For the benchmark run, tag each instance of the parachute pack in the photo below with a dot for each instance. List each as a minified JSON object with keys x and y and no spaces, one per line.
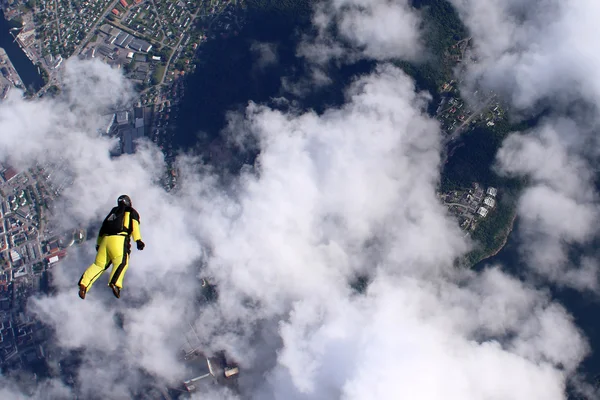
{"x":114,"y":223}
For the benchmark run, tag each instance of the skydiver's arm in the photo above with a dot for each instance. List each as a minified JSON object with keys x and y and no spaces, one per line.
{"x":135,"y":225}
{"x":135,"y":232}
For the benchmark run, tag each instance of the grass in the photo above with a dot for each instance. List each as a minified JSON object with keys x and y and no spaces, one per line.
{"x":158,"y":74}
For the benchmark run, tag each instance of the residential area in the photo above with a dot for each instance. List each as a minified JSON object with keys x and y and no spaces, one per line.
{"x":29,"y":248}
{"x":457,"y":116}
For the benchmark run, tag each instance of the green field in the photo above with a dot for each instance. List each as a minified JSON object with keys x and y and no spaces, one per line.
{"x":158,"y":74}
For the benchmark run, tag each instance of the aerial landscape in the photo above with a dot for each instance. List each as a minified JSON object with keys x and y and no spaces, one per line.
{"x":339,"y":199}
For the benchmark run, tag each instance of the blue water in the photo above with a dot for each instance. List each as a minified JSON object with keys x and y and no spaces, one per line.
{"x":584,"y":307}
{"x":227,"y":78}
{"x":27,"y":71}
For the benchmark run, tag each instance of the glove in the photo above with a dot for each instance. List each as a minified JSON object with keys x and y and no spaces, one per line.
{"x":140,"y":244}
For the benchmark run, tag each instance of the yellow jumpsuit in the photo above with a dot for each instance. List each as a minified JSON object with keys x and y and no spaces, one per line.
{"x":113,"y":249}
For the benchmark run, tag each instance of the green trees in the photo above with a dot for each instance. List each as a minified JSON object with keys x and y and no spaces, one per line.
{"x":282,"y":6}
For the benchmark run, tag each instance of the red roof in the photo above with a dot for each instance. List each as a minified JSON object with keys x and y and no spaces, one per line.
{"x":115,"y":11}
{"x":124,"y":3}
{"x":9,"y":173}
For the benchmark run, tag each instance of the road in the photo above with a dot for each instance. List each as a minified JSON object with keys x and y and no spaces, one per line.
{"x":457,"y":205}
{"x":92,"y":30}
{"x":177,"y":46}
{"x":53,"y":74}
{"x":457,"y":132}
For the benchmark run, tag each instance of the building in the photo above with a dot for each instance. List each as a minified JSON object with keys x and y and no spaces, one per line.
{"x":115,"y":12}
{"x":209,"y":371}
{"x":106,"y":51}
{"x":9,"y":174}
{"x":491,"y":191}
{"x":490,"y":202}
{"x":14,"y":256}
{"x":482,"y":211}
{"x":20,"y":272}
{"x":140,"y":45}
{"x":122,"y":117}
{"x":122,"y":39}
{"x":109,"y":30}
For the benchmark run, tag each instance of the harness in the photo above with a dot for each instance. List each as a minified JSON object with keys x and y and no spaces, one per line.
{"x":114,"y":223}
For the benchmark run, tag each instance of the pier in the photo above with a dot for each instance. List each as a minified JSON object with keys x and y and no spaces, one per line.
{"x":9,"y":75}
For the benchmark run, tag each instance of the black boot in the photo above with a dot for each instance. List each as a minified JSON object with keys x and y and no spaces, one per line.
{"x":116,"y":290}
{"x":82,"y":292}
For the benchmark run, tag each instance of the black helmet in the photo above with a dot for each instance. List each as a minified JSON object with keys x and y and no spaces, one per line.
{"x":124,"y":200}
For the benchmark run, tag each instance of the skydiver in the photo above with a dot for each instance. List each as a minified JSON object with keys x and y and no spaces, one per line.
{"x":113,"y":246}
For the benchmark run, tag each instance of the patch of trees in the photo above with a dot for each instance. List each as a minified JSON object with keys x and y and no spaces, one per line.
{"x":283,"y":6}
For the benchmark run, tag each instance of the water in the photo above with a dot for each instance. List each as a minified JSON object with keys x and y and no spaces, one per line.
{"x":227,"y":78}
{"x":27,"y":71}
{"x":584,"y":307}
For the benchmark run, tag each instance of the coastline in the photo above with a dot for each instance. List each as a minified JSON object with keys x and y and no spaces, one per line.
{"x":22,"y":47}
{"x":13,"y":71}
{"x":17,"y":41}
{"x":504,"y":241}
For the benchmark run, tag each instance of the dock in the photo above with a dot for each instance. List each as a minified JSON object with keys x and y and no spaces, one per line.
{"x":8,"y":74}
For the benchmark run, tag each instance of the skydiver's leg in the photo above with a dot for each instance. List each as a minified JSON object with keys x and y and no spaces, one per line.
{"x":119,"y":252}
{"x":93,"y":272}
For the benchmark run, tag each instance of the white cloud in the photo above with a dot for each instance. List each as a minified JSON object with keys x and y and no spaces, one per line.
{"x":541,"y":54}
{"x":560,"y":206}
{"x":20,"y":388}
{"x":541,"y":50}
{"x":376,"y":29}
{"x":332,"y":196}
{"x":266,"y":54}
{"x":415,"y":339}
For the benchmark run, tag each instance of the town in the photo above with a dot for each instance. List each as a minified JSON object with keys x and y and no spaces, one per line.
{"x":154,"y":43}
{"x":29,"y":248}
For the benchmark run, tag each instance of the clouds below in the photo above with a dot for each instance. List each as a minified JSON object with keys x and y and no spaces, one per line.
{"x":375,"y":29}
{"x":560,"y":206}
{"x":540,"y":54}
{"x":348,"y":193}
{"x":535,"y":51}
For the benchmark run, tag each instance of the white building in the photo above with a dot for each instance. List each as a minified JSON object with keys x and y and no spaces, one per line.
{"x":482,"y":211}
{"x":492,"y":191}
{"x":490,"y":202}
{"x":14,"y":256}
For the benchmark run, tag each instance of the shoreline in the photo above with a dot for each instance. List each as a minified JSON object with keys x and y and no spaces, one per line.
{"x":504,"y":241}
{"x":16,"y":35}
{"x":23,"y":48}
{"x":4,"y":56}
{"x":20,"y":43}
